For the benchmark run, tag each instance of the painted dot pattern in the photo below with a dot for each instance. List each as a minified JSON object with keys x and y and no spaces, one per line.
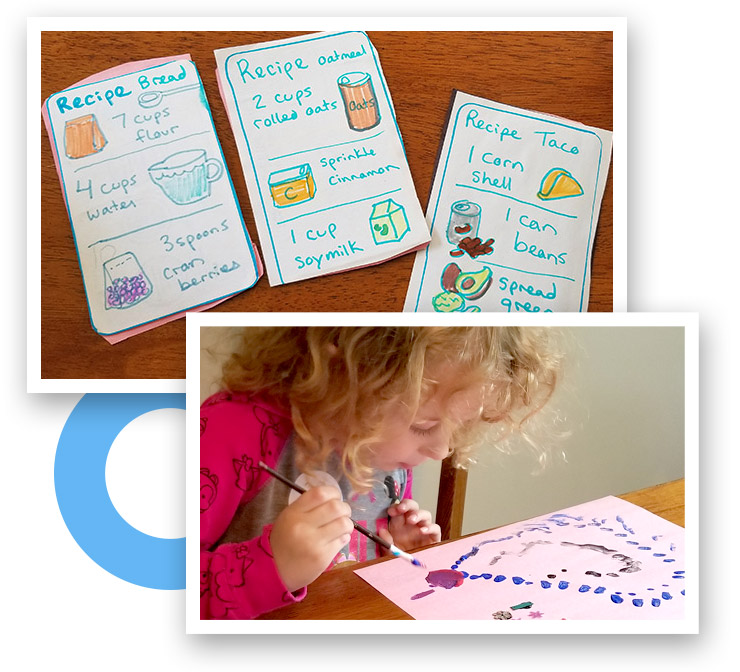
{"x":551,"y":582}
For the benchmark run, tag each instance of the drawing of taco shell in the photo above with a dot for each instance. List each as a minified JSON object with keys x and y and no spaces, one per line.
{"x":292,"y":186}
{"x":559,"y":183}
{"x":388,"y":222}
{"x":83,"y":137}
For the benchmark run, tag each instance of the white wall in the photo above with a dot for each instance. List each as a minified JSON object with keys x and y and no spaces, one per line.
{"x":621,"y":398}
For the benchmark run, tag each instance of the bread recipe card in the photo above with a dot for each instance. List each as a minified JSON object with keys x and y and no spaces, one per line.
{"x":513,"y":212}
{"x":322,"y":154}
{"x":156,"y":224}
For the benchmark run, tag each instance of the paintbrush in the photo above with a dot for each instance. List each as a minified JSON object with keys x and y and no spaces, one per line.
{"x":362,"y":530}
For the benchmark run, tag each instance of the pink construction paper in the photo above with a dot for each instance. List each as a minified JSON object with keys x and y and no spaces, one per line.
{"x":117,"y":71}
{"x":605,"y":559}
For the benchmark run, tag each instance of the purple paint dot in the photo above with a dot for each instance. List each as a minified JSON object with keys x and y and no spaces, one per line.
{"x":446,"y":578}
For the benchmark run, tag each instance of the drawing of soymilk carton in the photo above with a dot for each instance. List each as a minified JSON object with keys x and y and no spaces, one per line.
{"x":292,"y":186}
{"x":388,"y":222}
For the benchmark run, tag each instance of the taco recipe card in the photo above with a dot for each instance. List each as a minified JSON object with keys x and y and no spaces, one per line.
{"x":322,"y":154}
{"x":513,"y":212}
{"x":155,"y":219}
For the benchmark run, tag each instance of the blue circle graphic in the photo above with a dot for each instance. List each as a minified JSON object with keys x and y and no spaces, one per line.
{"x":82,"y":494}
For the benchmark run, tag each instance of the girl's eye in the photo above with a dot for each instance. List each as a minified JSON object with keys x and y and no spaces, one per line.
{"x":424,"y":430}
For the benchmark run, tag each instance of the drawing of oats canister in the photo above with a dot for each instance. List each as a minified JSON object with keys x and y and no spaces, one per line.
{"x":83,"y":137}
{"x":360,"y":103}
{"x":292,"y":186}
{"x":464,"y":221}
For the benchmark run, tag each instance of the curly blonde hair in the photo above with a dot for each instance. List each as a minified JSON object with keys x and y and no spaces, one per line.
{"x":355,"y":377}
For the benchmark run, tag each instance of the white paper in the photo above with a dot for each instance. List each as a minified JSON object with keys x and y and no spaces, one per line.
{"x":322,"y":154}
{"x":155,"y":219}
{"x":525,"y":189}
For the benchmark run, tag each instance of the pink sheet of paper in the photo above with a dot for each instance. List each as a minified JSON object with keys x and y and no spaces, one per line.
{"x":605,"y":559}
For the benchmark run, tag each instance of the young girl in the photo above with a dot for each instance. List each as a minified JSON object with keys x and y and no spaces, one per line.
{"x":348,"y":412}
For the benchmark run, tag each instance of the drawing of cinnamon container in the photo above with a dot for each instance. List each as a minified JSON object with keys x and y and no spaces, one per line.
{"x":360,"y":103}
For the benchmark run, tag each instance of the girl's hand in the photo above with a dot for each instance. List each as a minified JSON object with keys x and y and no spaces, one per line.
{"x":410,"y":527}
{"x":308,"y":534}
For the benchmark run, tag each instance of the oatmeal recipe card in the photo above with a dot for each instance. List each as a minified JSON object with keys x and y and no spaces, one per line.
{"x":513,"y":212}
{"x":156,"y":224}
{"x":322,"y":154}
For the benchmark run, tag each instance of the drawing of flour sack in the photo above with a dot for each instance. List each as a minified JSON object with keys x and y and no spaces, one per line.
{"x":185,"y":177}
{"x":559,"y":183}
{"x":83,"y":137}
{"x":360,"y":103}
{"x":126,"y":284}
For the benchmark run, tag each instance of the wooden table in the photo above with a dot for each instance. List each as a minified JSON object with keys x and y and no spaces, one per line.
{"x":562,"y":73}
{"x":340,"y":594}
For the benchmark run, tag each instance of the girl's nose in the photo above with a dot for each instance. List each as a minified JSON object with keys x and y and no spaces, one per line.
{"x":439,"y":452}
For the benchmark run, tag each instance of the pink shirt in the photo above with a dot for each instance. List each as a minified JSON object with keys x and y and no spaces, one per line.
{"x":239,"y":501}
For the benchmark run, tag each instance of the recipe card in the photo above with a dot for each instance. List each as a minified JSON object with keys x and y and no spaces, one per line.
{"x":322,"y":154}
{"x":155,"y":220}
{"x":513,"y":212}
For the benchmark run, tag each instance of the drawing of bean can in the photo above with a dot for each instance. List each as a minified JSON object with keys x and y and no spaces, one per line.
{"x":126,"y":284}
{"x":292,"y":186}
{"x":83,"y":137}
{"x":388,"y":222}
{"x":360,"y":103}
{"x":464,"y":221}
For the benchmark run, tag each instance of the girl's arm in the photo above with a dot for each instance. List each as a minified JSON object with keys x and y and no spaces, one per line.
{"x":237,"y":580}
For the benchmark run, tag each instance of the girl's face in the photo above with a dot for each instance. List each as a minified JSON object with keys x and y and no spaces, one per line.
{"x":427,"y":437}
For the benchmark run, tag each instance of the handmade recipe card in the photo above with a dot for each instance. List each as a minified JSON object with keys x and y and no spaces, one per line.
{"x":606,"y":559}
{"x":154,"y":216}
{"x":513,"y":212}
{"x":322,"y":154}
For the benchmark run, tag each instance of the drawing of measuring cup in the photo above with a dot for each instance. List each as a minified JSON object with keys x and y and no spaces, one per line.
{"x":185,"y":177}
{"x":154,"y":98}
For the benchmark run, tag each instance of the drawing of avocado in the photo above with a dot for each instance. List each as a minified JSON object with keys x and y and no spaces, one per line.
{"x":471,"y":285}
